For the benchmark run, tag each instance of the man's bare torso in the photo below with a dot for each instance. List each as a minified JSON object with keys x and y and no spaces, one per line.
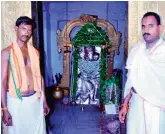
{"x":28,"y":71}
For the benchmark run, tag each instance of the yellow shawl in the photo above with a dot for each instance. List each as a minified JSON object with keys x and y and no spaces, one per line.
{"x":18,"y":73}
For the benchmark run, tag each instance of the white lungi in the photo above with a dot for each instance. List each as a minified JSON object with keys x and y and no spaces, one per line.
{"x":27,"y":115}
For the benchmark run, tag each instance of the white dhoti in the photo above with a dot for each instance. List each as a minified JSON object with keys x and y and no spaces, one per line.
{"x":144,"y":118}
{"x":27,"y":115}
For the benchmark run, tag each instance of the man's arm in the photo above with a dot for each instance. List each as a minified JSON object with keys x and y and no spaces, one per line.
{"x":124,"y":108}
{"x":4,"y":71}
{"x":127,"y":98}
{"x":4,"y":81}
{"x":43,"y":87}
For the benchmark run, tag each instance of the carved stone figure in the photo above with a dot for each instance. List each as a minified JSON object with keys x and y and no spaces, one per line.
{"x":89,"y":76}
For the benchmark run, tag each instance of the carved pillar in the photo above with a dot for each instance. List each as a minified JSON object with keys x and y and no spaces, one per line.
{"x":65,"y":82}
{"x":116,"y":41}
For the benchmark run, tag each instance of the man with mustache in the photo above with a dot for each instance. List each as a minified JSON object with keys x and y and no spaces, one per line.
{"x":23,"y":101}
{"x":144,"y":94}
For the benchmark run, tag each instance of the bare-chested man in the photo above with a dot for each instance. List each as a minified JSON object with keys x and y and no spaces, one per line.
{"x":23,"y":99}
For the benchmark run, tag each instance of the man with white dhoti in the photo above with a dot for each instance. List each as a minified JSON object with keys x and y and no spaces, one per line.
{"x":23,"y":99}
{"x":145,"y":87}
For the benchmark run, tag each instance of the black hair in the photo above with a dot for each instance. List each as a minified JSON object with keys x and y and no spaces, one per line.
{"x":157,"y":17}
{"x":25,"y":20}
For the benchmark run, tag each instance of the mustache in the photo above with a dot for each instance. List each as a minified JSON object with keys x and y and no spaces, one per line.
{"x":146,"y":34}
{"x":25,"y":36}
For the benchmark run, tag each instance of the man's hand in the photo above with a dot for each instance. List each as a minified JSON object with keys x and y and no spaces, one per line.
{"x":46,"y":109}
{"x":123,"y":113}
{"x":7,"y":119}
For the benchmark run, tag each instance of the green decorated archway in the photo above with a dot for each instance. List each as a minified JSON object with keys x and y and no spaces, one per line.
{"x":90,"y":35}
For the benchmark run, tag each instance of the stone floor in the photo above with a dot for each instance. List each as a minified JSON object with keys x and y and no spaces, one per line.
{"x":69,"y":119}
{"x":72,"y":120}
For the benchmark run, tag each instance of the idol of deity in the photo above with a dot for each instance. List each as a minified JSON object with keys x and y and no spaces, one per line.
{"x":88,"y":77}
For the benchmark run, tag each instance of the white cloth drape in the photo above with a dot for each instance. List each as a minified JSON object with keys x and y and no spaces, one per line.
{"x":27,"y":115}
{"x":144,"y":118}
{"x":146,"y":73}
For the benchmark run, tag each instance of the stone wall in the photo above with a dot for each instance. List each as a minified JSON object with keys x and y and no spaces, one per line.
{"x":136,"y":10}
{"x":10,"y":11}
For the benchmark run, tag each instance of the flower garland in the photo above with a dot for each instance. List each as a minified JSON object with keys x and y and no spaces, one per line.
{"x":90,"y":35}
{"x":113,"y":89}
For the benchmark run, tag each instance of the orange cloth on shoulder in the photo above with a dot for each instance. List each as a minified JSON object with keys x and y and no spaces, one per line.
{"x":18,"y":67}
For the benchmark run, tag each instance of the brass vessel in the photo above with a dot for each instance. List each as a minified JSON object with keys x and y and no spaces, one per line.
{"x":58,"y":93}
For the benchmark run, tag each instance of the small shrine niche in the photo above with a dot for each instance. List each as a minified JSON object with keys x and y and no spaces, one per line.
{"x":91,"y":53}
